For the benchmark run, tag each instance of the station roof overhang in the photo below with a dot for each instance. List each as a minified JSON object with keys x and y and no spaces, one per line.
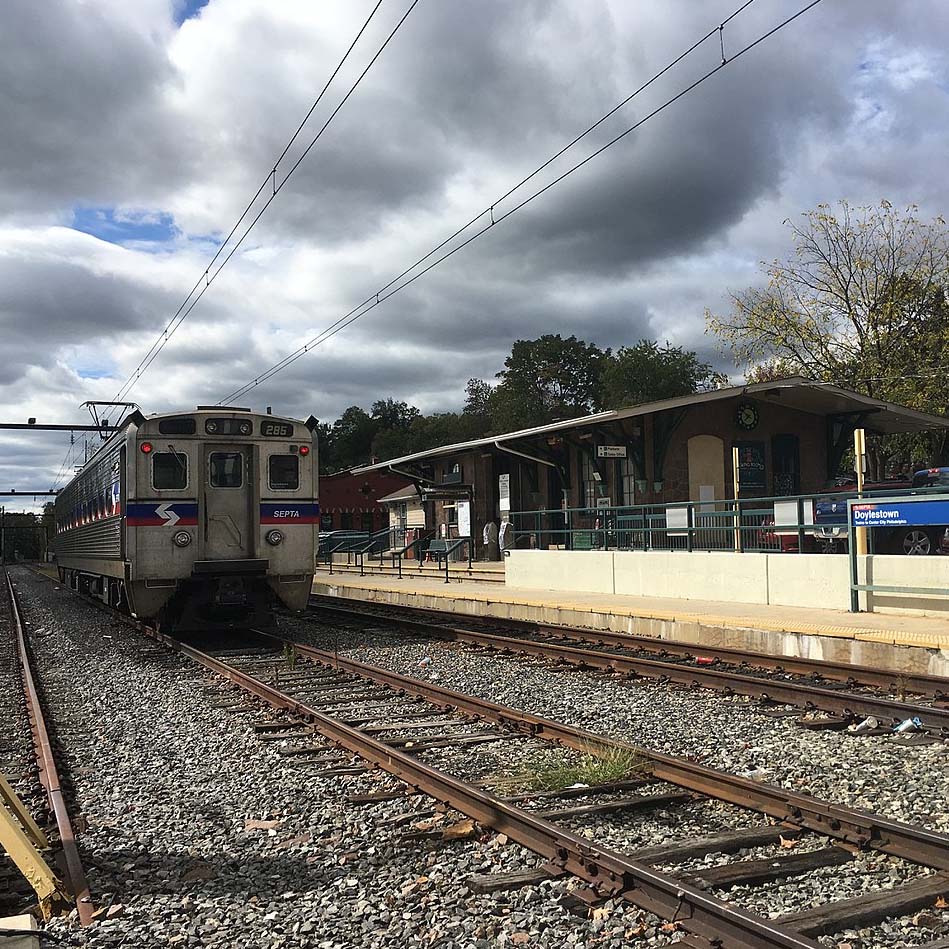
{"x":804,"y":395}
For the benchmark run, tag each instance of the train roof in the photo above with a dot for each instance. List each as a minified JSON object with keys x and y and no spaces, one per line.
{"x":137,"y":418}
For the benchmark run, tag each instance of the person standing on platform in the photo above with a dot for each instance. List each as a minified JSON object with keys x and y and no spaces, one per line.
{"x":490,"y":537}
{"x":506,"y":536}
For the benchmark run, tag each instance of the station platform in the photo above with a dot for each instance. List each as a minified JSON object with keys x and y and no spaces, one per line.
{"x":917,"y":644}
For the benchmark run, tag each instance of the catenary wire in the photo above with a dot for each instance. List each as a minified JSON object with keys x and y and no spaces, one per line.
{"x":277,"y":188}
{"x":388,"y":291}
{"x":540,"y":168}
{"x":253,"y":200}
{"x":206,"y":278}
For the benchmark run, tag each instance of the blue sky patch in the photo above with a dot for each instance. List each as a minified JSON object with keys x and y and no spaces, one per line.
{"x":186,"y":9}
{"x":123,"y":226}
{"x":92,"y":373}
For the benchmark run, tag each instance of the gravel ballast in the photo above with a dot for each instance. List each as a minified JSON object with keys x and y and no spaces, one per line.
{"x":908,"y":783}
{"x":169,"y":780}
{"x":200,"y":834}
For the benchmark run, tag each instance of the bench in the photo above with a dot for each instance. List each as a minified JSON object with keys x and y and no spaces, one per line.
{"x":438,"y":547}
{"x":583,"y":540}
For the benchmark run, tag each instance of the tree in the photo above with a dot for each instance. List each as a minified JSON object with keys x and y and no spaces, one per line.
{"x":478,"y":399}
{"x":861,"y":303}
{"x":392,"y":414}
{"x":352,"y":438}
{"x":545,"y":379}
{"x":648,"y":372}
{"x":326,"y":445}
{"x":393,"y":420}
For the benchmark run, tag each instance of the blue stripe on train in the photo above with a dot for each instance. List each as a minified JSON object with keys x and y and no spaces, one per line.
{"x":162,"y":514}
{"x":289,"y":512}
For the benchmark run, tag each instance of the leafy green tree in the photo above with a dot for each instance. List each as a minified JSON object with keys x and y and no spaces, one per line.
{"x":326,"y":445}
{"x":353,"y":433}
{"x":478,"y":400}
{"x":545,"y":379}
{"x":392,"y":414}
{"x":860,"y":303}
{"x":648,"y":372}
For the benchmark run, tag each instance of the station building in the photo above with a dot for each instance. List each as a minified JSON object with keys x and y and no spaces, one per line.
{"x":791,"y":436}
{"x":350,"y":501}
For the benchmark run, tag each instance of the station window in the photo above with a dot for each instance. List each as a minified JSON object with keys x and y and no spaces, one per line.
{"x":284,"y":472}
{"x":226,"y":469}
{"x":627,"y":481}
{"x":169,"y":471}
{"x":326,"y":522}
{"x":588,"y":482}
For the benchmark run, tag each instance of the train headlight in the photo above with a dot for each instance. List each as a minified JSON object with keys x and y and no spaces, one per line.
{"x":246,"y":428}
{"x":210,"y":426}
{"x":181,"y":538}
{"x":274,"y":538}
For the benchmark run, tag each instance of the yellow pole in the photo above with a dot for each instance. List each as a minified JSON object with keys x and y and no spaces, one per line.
{"x":859,"y":456}
{"x":735,"y":496}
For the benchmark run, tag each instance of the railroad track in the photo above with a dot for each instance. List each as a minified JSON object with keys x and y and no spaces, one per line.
{"x":339,"y":708}
{"x":769,"y":678}
{"x":42,"y":770}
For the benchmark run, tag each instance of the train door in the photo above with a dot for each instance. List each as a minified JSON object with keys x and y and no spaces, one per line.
{"x":228,"y":491}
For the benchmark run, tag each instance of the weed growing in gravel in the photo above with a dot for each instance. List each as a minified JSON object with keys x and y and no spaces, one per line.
{"x":558,"y":769}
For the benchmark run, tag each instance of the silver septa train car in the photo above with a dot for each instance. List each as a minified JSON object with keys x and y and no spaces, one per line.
{"x":195,"y":519}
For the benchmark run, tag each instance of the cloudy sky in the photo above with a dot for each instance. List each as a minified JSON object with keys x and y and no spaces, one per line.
{"x":133,"y":134}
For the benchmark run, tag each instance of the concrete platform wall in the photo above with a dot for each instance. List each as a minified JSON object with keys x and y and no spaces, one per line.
{"x":806,"y":580}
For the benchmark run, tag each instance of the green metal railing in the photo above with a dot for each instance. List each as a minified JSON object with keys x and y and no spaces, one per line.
{"x":767,"y":524}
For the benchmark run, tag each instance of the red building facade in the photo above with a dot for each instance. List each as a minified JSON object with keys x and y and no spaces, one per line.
{"x":351,"y":502}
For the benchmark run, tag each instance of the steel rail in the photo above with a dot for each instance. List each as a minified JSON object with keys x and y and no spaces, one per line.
{"x":850,"y":673}
{"x":861,"y":828}
{"x":49,"y":774}
{"x":730,"y":683}
{"x":609,"y":873}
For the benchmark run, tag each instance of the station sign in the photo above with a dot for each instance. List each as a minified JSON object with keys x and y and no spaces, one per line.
{"x":610,"y":451}
{"x":900,"y":513}
{"x":463,"y":510}
{"x":504,"y":493}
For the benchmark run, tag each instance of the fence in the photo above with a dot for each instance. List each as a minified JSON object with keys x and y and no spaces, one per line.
{"x":795,"y":524}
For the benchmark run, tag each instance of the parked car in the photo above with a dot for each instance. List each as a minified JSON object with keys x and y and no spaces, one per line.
{"x":829,"y":535}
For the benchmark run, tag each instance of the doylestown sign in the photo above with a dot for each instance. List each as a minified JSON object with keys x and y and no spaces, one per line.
{"x":900,"y":513}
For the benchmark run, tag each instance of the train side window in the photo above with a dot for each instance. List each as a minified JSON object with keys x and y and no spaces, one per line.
{"x":169,"y":471}
{"x":284,"y":472}
{"x":226,"y":469}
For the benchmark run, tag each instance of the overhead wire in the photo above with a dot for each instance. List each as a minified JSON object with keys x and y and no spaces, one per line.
{"x":207,"y":277}
{"x":389,"y":290}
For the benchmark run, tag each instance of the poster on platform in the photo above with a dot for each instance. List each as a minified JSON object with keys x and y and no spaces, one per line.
{"x":464,"y":518}
{"x":504,"y":493}
{"x":751,"y":466}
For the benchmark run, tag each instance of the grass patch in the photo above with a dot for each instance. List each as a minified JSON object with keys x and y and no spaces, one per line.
{"x":559,"y":768}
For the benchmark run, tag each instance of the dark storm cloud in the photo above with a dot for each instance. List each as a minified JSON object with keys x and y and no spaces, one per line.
{"x":45,"y":303}
{"x":81,"y":111}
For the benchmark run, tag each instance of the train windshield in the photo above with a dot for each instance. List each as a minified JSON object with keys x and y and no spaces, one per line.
{"x":169,"y":471}
{"x":226,"y":469}
{"x":284,"y":472}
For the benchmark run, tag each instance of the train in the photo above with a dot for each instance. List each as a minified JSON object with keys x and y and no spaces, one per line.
{"x":195,"y":520}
